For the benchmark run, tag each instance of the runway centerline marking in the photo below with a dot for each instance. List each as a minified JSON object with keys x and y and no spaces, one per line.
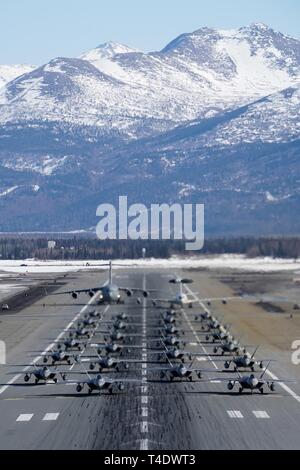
{"x":24,"y":418}
{"x":144,"y":445}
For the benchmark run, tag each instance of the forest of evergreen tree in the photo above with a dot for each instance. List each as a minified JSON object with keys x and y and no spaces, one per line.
{"x":89,"y":248}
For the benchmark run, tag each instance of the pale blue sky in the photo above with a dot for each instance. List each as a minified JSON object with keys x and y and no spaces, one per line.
{"x":34,"y":31}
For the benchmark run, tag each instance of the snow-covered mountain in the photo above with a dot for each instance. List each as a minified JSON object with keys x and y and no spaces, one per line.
{"x":196,"y":75}
{"x":214,"y":117}
{"x":10,"y":72}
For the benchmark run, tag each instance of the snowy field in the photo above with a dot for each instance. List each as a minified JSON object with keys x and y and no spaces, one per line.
{"x":236,"y":262}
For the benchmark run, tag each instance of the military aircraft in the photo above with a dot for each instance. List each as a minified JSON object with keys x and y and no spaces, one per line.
{"x":42,"y":374}
{"x":172,"y":340}
{"x":231,"y":347}
{"x":59,"y":357}
{"x":220,"y":335}
{"x":108,"y":348}
{"x":169,"y":318}
{"x":179,"y":371}
{"x":71,"y":343}
{"x":246,"y":361}
{"x":80,"y":333}
{"x":181,"y":299}
{"x":212,"y":324}
{"x":109,"y":293}
{"x":100,"y":383}
{"x":88,"y":323}
{"x":174,"y":353}
{"x":252,"y":382}
{"x":93,"y":314}
{"x":106,"y":362}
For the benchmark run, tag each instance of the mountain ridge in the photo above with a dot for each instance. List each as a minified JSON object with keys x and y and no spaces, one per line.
{"x":213,"y":117}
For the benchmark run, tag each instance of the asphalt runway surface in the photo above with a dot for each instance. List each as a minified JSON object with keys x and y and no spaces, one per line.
{"x":152,"y":414}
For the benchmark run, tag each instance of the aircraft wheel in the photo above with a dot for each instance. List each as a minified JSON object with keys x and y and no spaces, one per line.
{"x":26,"y":378}
{"x":55,"y":381}
{"x":261,"y":391}
{"x":36,"y":381}
{"x":240,"y":390}
{"x":215,"y":350}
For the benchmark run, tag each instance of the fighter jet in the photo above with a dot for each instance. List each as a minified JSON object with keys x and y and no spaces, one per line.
{"x":179,"y":371}
{"x":169,"y":318}
{"x":246,"y":361}
{"x":58,"y":357}
{"x":109,"y":293}
{"x":100,"y":383}
{"x":172,"y":340}
{"x":220,"y":335}
{"x":106,"y":362}
{"x":43,"y":374}
{"x":80,"y":333}
{"x":212,"y":324}
{"x":88,"y":323}
{"x":231,"y":347}
{"x":252,"y":382}
{"x":108,"y":348}
{"x":175,"y":353}
{"x":93,"y":314}
{"x":71,"y":343}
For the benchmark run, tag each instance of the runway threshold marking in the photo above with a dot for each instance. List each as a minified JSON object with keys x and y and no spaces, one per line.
{"x":235,"y":414}
{"x":24,"y":418}
{"x":49,"y":348}
{"x":268,"y":372}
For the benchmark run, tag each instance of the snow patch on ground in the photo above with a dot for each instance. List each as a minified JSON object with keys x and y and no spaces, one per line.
{"x":238,"y":262}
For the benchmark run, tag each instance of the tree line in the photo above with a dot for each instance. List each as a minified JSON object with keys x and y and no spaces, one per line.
{"x":89,"y":248}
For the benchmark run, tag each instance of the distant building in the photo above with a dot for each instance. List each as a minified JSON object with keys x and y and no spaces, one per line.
{"x":51,"y":245}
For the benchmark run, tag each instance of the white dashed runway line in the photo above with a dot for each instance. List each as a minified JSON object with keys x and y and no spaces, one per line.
{"x":261,"y":414}
{"x":24,"y":418}
{"x":51,"y":416}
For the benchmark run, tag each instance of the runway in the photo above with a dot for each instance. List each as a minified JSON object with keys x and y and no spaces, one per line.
{"x":151,"y":415}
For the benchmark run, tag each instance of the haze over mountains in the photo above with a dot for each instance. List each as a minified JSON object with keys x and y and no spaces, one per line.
{"x":213,"y":118}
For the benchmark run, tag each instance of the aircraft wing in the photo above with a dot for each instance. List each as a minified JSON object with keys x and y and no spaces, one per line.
{"x":137,"y":289}
{"x":79,"y":291}
{"x":164,"y":300}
